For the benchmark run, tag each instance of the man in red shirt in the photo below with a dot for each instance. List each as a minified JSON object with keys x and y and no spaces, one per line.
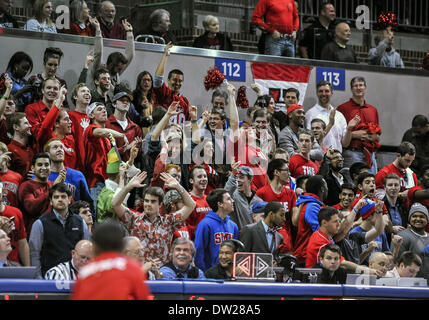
{"x":347,"y":196}
{"x":281,"y":22}
{"x":110,"y":275}
{"x":33,"y":195}
{"x":364,"y":143}
{"x":36,"y":112}
{"x":167,"y":93}
{"x":198,"y":180}
{"x":401,"y":167}
{"x":81,"y":97}
{"x":277,"y":190}
{"x":18,"y":236}
{"x":300,"y":163}
{"x":21,"y":152}
{"x":57,"y":124}
{"x":329,"y":226}
{"x":120,"y":122}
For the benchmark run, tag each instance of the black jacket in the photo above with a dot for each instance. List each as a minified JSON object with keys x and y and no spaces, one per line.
{"x":224,"y":42}
{"x":59,"y":241}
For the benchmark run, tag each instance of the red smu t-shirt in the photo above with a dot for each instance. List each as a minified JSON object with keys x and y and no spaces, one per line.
{"x":79,"y":122}
{"x":11,"y":182}
{"x":298,"y":165}
{"x":317,"y":241}
{"x":164,"y":97}
{"x":200,"y":211}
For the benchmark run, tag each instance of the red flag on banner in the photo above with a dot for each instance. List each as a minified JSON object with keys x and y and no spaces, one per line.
{"x":274,"y":79}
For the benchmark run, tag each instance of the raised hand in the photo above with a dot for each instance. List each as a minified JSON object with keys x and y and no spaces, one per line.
{"x":172,"y":109}
{"x":193,"y":112}
{"x":95,"y":23}
{"x":256,"y":88}
{"x":206,"y":114}
{"x":136,"y":181}
{"x":379,"y":206}
{"x":235,"y":165}
{"x":127,"y":26}
{"x":167,"y":48}
{"x":8,"y":82}
{"x":169,"y":181}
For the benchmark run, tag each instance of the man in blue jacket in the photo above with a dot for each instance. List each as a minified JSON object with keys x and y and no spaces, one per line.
{"x":214,"y":229}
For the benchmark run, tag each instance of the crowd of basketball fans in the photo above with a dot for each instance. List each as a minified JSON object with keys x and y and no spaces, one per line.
{"x":192,"y":187}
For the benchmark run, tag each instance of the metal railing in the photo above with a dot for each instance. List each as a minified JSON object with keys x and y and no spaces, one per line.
{"x":411,"y":14}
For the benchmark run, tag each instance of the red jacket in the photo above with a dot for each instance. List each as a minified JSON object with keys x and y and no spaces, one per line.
{"x":95,"y":156}
{"x":36,"y":113}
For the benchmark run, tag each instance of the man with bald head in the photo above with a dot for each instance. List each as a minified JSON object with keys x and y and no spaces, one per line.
{"x":338,"y":49}
{"x":134,"y":249}
{"x":379,"y":261}
{"x":109,"y":27}
{"x":82,"y":253}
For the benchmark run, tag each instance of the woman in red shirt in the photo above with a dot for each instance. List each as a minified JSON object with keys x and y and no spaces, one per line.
{"x":79,"y":19}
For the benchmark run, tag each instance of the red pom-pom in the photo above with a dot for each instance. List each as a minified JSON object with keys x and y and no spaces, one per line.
{"x":242,"y":101}
{"x":387,"y":19}
{"x":213,"y":79}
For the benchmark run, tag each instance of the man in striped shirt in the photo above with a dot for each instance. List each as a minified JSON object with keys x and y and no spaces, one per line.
{"x":82,"y":253}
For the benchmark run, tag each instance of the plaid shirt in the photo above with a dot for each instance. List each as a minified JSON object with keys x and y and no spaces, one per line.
{"x":156,"y":237}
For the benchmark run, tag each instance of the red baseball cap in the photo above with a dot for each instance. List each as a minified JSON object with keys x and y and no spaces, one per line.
{"x":293,"y":108}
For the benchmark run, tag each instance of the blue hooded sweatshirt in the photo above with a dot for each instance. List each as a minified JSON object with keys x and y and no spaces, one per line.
{"x":312,"y":210}
{"x":210,"y":233}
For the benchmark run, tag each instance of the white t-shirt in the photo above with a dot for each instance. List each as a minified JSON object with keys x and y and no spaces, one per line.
{"x":337,"y":132}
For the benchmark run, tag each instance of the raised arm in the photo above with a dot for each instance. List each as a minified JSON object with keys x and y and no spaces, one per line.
{"x":129,"y":49}
{"x":98,"y":44}
{"x":189,"y":203}
{"x":161,"y":66}
{"x":379,"y":223}
{"x":347,"y":138}
{"x":135,"y":182}
{"x":347,"y":223}
{"x":164,"y":121}
{"x":233,"y":111}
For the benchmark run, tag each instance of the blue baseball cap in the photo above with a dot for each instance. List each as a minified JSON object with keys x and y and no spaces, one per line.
{"x":258,"y":207}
